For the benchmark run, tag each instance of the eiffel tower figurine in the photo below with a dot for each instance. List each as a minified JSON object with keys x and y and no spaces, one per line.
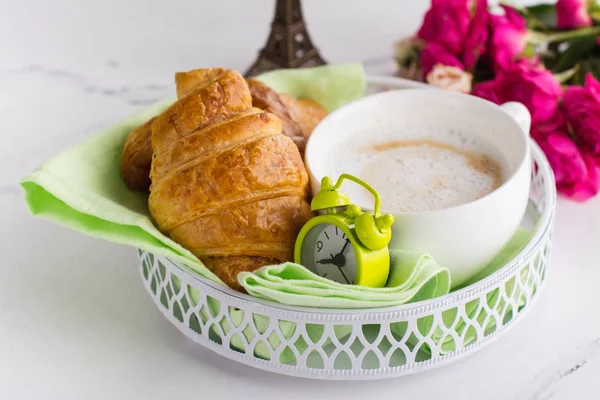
{"x":288,"y":45}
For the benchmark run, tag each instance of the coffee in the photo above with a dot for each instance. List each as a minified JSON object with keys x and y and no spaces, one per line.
{"x":423,"y":174}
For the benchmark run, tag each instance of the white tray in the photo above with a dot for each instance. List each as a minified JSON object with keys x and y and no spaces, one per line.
{"x":360,"y":344}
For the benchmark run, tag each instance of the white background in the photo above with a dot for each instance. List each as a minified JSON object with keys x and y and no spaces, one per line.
{"x":75,"y":322}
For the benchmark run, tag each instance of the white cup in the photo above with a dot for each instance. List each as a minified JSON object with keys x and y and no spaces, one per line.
{"x":464,"y":238}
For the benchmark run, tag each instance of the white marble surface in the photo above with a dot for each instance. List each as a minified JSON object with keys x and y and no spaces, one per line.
{"x":76,"y":322}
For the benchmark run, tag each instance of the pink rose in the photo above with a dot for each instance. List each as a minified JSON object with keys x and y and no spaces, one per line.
{"x":507,"y":39}
{"x":572,"y":14}
{"x":582,"y":106}
{"x":487,"y":90}
{"x":447,"y":23}
{"x":527,"y":82}
{"x":477,"y":36}
{"x":558,"y":123}
{"x":577,"y":175}
{"x":434,"y":54}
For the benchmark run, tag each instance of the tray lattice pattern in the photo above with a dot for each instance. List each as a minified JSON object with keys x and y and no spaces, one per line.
{"x":365,"y":344}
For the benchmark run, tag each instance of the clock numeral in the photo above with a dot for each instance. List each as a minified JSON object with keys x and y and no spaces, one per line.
{"x":326,"y":235}
{"x":324,"y":275}
{"x":319,"y":246}
{"x":336,"y":231}
{"x":343,"y":236}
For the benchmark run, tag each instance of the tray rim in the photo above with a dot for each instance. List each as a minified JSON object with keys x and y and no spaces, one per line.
{"x":342,"y":375}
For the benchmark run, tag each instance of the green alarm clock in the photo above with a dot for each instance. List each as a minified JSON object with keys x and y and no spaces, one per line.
{"x":344,"y":243}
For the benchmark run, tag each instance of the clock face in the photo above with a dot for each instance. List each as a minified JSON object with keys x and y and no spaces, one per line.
{"x":332,"y":254}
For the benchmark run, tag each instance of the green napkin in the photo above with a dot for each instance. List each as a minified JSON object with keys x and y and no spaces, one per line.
{"x":413,"y":277}
{"x":81,"y":188}
{"x":330,"y":86}
{"x":510,"y":250}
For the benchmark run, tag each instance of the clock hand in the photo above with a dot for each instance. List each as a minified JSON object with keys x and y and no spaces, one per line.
{"x":335,"y":262}
{"x":326,"y":261}
{"x":345,"y":245}
{"x":343,"y":274}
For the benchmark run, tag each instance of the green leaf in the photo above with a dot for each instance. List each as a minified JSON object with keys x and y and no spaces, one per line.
{"x":584,"y":69}
{"x":541,"y":16}
{"x":537,"y":38}
{"x":577,"y":49}
{"x":586,"y":66}
{"x":594,"y":10}
{"x":531,"y":50}
{"x":592,"y":32}
{"x":565,"y":76}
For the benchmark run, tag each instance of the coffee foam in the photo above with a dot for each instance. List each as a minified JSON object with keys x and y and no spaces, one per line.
{"x":441,"y":171}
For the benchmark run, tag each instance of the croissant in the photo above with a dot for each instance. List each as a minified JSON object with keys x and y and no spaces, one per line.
{"x":269,"y":100}
{"x":306,"y":112}
{"x":226,"y":183}
{"x":137,"y":156}
{"x":298,"y":117}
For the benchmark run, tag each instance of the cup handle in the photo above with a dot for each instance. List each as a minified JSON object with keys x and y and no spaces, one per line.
{"x":519,"y":113}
